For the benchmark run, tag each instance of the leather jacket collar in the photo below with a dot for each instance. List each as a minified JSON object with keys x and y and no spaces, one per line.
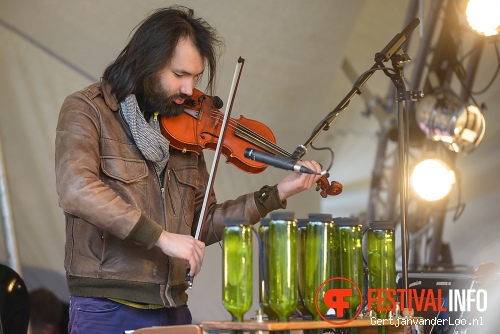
{"x":109,"y":98}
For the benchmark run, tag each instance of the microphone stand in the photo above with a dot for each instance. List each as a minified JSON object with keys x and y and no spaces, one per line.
{"x":402,"y":94}
{"x":393,"y":52}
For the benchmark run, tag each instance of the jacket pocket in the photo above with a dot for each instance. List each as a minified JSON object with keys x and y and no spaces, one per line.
{"x":186,"y":176}
{"x":125,"y":170}
{"x":182,"y":190}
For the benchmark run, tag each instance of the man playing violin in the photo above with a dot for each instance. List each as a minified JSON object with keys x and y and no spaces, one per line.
{"x":130,"y":200}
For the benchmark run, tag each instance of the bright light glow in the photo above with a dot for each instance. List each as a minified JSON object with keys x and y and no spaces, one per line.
{"x":432,"y":179}
{"x":484,"y":16}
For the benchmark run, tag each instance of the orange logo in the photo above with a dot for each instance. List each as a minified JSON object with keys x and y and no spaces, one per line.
{"x":335,"y":299}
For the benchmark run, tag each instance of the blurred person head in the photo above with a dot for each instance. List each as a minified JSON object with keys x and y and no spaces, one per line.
{"x":45,"y":312}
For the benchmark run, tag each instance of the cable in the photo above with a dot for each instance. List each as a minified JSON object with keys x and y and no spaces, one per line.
{"x":332,"y":153}
{"x":488,"y":86}
{"x":370,"y":71}
{"x":460,"y":206}
{"x":494,"y":75}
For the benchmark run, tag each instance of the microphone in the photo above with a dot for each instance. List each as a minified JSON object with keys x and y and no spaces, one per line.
{"x":396,"y":43}
{"x":277,"y":161}
{"x":410,"y":27}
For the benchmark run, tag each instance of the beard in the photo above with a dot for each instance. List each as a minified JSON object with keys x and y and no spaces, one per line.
{"x":159,"y":98}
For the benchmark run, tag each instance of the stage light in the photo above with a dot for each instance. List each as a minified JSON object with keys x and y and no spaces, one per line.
{"x":443,"y":117}
{"x":432,"y":179}
{"x":483,"y":16}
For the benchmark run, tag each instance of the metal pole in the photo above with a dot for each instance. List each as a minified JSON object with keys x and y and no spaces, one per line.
{"x":403,"y":194}
{"x":9,"y":230}
{"x":425,"y":44}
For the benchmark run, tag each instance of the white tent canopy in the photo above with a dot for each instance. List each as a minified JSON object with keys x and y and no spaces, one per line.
{"x":292,"y":78}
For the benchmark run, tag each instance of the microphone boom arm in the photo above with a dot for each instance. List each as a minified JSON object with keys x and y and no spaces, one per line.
{"x":387,"y":52}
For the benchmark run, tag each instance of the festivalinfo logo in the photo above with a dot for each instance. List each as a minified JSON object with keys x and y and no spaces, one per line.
{"x":420,"y":300}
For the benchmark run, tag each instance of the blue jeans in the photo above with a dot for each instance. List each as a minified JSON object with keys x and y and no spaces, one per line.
{"x":101,"y":315}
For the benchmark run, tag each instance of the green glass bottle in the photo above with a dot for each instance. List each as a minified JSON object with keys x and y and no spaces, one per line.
{"x":264,"y":269}
{"x":283,"y":275}
{"x":301,"y":258}
{"x":350,"y":236}
{"x":381,"y":266}
{"x":237,"y":267}
{"x":320,"y":264}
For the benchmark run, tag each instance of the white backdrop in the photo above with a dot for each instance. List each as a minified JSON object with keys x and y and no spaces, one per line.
{"x":291,"y":79}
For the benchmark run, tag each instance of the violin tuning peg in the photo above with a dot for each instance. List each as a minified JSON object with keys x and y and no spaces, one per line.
{"x":218,"y":102}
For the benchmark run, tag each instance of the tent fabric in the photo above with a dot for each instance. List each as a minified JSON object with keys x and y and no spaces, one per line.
{"x":291,"y":79}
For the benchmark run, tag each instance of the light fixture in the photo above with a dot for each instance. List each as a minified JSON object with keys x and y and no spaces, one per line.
{"x":432,"y":179}
{"x":443,"y":117}
{"x":483,"y":16}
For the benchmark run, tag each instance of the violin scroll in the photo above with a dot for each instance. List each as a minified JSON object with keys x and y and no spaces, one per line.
{"x":327,"y":188}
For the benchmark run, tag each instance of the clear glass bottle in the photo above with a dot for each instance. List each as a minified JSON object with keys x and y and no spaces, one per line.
{"x":301,"y":258}
{"x":381,"y":266}
{"x":350,"y":236}
{"x":320,"y":263}
{"x":283,"y":274}
{"x":237,"y":267}
{"x":264,"y":269}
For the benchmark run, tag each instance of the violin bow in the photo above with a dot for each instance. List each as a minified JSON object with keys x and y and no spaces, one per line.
{"x":215,"y":163}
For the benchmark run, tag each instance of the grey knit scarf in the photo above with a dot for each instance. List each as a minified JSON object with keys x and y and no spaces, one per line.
{"x":147,"y":136}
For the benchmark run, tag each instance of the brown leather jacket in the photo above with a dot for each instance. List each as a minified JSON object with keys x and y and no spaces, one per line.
{"x":116,"y":206}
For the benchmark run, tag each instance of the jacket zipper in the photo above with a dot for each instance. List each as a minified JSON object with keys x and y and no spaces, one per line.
{"x":162,"y":183}
{"x":170,"y":195}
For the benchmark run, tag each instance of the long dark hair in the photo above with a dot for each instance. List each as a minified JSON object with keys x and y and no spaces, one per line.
{"x":152,"y":46}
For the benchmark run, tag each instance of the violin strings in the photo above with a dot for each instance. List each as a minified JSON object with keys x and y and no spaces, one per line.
{"x":259,"y":141}
{"x":253,"y":137}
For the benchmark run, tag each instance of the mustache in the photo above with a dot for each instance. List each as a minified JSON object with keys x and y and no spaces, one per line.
{"x":179,"y":96}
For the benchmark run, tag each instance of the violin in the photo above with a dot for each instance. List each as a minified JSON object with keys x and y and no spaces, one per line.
{"x":199,"y":126}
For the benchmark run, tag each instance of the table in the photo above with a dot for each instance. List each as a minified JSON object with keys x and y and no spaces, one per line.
{"x":366,"y":325}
